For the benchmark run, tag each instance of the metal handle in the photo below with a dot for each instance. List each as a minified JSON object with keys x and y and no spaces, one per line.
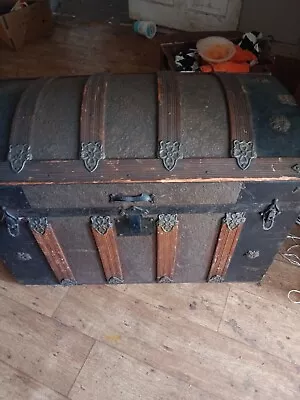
{"x":132,"y":199}
{"x":11,"y":220}
{"x":269,"y":215}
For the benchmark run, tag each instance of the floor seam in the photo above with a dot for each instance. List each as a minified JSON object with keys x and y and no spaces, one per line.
{"x":258,"y":349}
{"x":69,"y":391}
{"x":268,"y":300}
{"x":152,"y":366}
{"x":153,"y":306}
{"x":221,"y":319}
{"x":59,"y":303}
{"x":33,"y":379}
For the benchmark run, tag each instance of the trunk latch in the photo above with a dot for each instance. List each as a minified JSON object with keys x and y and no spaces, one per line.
{"x":133,"y":222}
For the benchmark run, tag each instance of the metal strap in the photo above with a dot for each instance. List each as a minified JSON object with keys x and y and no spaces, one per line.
{"x":92,"y":121}
{"x":239,"y":111}
{"x":169,"y":130}
{"x":22,"y":124}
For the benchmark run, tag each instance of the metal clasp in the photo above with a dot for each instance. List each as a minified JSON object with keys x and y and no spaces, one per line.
{"x":12,"y":221}
{"x":269,"y":215}
{"x":133,"y":222}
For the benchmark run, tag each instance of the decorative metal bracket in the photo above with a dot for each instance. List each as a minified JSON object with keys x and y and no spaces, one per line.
{"x":12,"y":222}
{"x":280,"y":123}
{"x":101,"y":224}
{"x":115,"y":280}
{"x":91,"y":153}
{"x":38,"y":225}
{"x":167,"y":222}
{"x":269,"y":215}
{"x":170,"y":153}
{"x":243,"y":152}
{"x":233,"y":220}
{"x":164,"y":279}
{"x":252,"y":254}
{"x":296,"y":168}
{"x":22,"y":256}
{"x":18,"y":155}
{"x":216,"y":279}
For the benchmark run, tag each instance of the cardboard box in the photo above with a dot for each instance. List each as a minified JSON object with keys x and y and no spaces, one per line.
{"x":26,"y":24}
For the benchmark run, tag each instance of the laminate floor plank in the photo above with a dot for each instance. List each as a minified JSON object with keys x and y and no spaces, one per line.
{"x":41,"y":347}
{"x":223,"y":367}
{"x":262,"y":324}
{"x":275,"y":286}
{"x":43,"y":299}
{"x":200,"y":303}
{"x":15,"y":385}
{"x":108,"y":373}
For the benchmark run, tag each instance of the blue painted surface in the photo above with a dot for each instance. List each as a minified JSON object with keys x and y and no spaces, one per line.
{"x":265,"y":105}
{"x":22,"y":255}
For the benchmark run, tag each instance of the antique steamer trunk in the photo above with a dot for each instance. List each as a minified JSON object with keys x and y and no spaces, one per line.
{"x":146,"y":178}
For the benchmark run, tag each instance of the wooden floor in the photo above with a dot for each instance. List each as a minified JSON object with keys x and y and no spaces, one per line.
{"x":150,"y":342}
{"x":188,"y":341}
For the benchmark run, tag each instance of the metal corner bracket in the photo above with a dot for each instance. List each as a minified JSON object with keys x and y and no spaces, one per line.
{"x":38,"y":224}
{"x":167,"y":222}
{"x":243,"y":152}
{"x":101,"y":224}
{"x":170,"y":152}
{"x":233,"y":220}
{"x":91,"y":153}
{"x":18,"y":155}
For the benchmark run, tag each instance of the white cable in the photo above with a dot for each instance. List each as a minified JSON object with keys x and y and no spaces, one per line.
{"x":292,"y":258}
{"x":289,"y":294}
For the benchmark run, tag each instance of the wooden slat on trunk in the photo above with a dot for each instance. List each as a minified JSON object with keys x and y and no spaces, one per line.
{"x":169,"y":121}
{"x":92,"y":121}
{"x":105,"y":239}
{"x":54,"y":254}
{"x":225,"y":248}
{"x":20,"y":137}
{"x":167,"y":238}
{"x":151,"y":170}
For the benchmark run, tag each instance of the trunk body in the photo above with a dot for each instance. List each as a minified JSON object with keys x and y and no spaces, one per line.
{"x":146,"y":178}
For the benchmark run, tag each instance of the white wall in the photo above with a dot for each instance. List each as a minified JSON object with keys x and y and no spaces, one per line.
{"x":189,"y":15}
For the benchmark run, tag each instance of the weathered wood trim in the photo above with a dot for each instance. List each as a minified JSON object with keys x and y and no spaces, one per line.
{"x":23,"y":122}
{"x":169,"y":119}
{"x":92,"y":121}
{"x":54,"y":254}
{"x":226,"y":244}
{"x":240,"y":118}
{"x":106,"y":244}
{"x":150,"y":170}
{"x":167,"y":241}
